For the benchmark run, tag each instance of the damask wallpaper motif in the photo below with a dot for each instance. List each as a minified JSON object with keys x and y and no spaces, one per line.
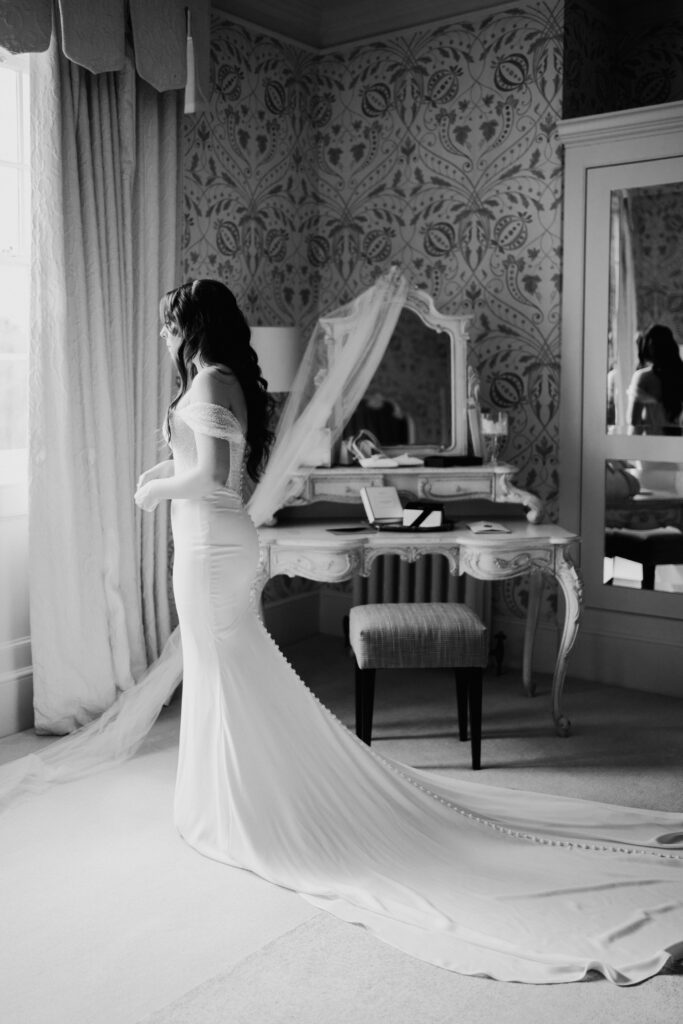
{"x":618,"y":58}
{"x":434,"y":148}
{"x":249,"y":187}
{"x":657,"y":230}
{"x":588,"y":84}
{"x":437,"y":150}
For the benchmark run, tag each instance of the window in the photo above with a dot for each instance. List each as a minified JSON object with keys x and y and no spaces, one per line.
{"x":14,"y":264}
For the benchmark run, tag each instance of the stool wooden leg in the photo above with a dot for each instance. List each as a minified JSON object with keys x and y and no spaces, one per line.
{"x":471,"y":680}
{"x":365,"y":700}
{"x":461,"y":696}
{"x":475,"y":715}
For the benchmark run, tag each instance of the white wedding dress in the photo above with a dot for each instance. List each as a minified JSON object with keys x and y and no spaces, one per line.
{"x":481,"y":880}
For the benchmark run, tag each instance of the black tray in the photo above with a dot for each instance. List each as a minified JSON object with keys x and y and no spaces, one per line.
{"x":447,"y":525}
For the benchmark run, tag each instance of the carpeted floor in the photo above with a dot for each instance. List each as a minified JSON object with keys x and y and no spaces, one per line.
{"x":625,"y":746}
{"x":109,"y":917}
{"x":329,"y":971}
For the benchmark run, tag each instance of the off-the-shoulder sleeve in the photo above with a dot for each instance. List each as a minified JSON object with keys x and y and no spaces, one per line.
{"x":213,"y":420}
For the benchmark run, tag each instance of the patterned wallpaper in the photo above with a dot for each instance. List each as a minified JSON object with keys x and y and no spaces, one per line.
{"x":588,"y":59}
{"x":648,"y":64}
{"x":616,"y":58}
{"x":657,"y":226}
{"x":437,"y":151}
{"x":434,"y":148}
{"x":250,"y":192}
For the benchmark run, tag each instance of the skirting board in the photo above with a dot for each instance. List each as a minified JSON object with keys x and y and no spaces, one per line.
{"x":16,"y":701}
{"x":614,"y":658}
{"x":651,"y":664}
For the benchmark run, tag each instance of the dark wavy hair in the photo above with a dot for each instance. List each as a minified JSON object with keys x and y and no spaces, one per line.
{"x":213,"y":330}
{"x":660,"y":348}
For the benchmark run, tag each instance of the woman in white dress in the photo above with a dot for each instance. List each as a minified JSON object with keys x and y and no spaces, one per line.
{"x":482,"y":880}
{"x":655,"y":393}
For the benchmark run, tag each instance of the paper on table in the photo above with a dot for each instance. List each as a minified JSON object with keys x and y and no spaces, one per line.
{"x":486,"y":526}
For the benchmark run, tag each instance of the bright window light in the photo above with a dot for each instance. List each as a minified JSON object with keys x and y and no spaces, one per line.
{"x":14,"y":264}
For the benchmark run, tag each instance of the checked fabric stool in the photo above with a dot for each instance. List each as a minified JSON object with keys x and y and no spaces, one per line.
{"x":431,"y":635}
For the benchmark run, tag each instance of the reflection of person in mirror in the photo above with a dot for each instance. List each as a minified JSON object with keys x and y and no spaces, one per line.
{"x":656,"y":390}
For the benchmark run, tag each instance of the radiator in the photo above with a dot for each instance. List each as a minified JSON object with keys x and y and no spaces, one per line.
{"x":427,"y":579}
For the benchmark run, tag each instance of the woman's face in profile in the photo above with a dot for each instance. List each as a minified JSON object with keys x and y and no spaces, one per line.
{"x":171,"y":337}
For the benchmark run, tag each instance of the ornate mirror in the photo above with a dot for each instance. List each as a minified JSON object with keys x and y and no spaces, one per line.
{"x":417,"y":399}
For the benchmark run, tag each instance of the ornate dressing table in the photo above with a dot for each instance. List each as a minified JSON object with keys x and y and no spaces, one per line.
{"x":436,"y":403}
{"x":309,"y":549}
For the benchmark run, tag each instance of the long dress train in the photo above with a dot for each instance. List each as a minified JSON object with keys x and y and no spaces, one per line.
{"x":485,"y":881}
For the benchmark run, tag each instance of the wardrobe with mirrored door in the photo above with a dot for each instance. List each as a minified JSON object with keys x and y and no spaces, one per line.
{"x":621,"y":443}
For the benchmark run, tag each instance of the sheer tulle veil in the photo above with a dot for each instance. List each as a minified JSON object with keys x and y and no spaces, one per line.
{"x":340,"y":360}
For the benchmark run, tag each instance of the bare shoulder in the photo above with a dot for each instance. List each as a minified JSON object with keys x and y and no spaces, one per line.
{"x":219,"y":386}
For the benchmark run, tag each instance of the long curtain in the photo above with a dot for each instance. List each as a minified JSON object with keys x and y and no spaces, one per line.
{"x":106,"y":173}
{"x":625,"y":325}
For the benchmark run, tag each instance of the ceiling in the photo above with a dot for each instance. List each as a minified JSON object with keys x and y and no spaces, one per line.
{"x":326,"y":23}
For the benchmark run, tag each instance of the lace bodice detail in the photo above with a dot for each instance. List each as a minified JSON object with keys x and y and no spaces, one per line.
{"x":190,"y":418}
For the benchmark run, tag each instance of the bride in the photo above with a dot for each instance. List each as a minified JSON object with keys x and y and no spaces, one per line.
{"x":481,"y":880}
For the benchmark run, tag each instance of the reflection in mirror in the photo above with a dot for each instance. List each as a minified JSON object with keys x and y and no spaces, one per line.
{"x":409,"y":399}
{"x":644,"y":525}
{"x":645,"y":375}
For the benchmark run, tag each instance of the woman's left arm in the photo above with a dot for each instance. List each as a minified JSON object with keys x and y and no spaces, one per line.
{"x":210,"y":472}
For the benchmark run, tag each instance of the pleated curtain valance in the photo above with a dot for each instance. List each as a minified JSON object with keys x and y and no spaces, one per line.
{"x":93,"y":35}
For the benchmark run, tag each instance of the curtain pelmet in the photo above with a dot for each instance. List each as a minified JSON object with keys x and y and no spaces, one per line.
{"x":93,"y":35}
{"x":26,"y":25}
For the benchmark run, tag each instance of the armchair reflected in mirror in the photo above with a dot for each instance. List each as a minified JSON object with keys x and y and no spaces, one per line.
{"x":417,"y":399}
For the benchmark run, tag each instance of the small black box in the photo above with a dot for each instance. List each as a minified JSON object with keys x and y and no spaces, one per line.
{"x":442,"y":461}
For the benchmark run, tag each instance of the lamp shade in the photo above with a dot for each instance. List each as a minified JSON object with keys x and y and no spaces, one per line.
{"x":279,"y":352}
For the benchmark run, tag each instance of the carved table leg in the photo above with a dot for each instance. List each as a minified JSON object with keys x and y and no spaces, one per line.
{"x":535,"y":594}
{"x":572,"y":591}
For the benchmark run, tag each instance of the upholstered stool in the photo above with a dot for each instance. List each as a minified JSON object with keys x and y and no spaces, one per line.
{"x":433,"y":635}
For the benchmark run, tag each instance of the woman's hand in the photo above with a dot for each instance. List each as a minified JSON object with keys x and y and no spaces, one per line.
{"x":146,"y":497}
